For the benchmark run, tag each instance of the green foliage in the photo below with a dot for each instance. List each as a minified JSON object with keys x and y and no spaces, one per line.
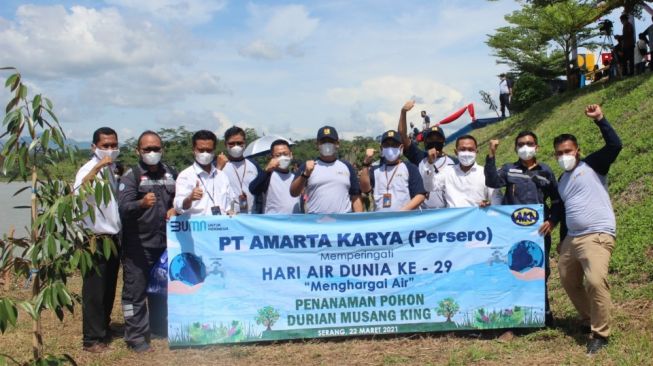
{"x":58,"y":244}
{"x":627,"y":105}
{"x":447,"y":307}
{"x":267,"y":316}
{"x":202,"y":334}
{"x":527,"y":90}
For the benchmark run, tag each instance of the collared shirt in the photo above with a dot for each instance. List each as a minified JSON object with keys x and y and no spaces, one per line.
{"x":467,"y":189}
{"x":145,"y":227}
{"x":432,"y":175}
{"x":504,"y":86}
{"x":107,"y":217}
{"x":216,"y":188}
{"x":525,"y":186}
{"x":330,"y":187}
{"x":240,"y":174}
{"x":401,"y":181}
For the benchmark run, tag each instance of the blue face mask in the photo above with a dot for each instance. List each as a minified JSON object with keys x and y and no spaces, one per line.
{"x":391,"y":154}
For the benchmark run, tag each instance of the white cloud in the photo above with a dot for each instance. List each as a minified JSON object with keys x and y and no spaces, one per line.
{"x":182,"y":11}
{"x":284,"y":29}
{"x":375,"y":103}
{"x":53,"y":42}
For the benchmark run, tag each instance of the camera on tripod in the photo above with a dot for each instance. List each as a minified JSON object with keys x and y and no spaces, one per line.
{"x":605,"y":27}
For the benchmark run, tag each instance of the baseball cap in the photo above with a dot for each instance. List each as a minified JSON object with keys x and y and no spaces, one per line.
{"x":392,"y":135}
{"x":327,"y":132}
{"x":434,"y":130}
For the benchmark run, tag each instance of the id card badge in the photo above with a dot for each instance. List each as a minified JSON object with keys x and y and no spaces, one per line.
{"x":242,"y":202}
{"x":215,"y":211}
{"x":387,"y":200}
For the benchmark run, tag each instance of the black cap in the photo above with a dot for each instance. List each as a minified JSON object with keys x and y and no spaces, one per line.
{"x":327,"y":132}
{"x":434,"y":130}
{"x":391,"y":135}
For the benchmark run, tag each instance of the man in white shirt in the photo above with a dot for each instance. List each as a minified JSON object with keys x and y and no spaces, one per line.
{"x":274,"y":182}
{"x":396,"y":185}
{"x":505,"y":94}
{"x":201,"y":189}
{"x":99,"y":287}
{"x":464,"y":185}
{"x":331,"y":184}
{"x":431,"y":162}
{"x":240,"y":171}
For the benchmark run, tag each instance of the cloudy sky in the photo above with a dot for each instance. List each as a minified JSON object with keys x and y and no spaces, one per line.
{"x":280,"y":67}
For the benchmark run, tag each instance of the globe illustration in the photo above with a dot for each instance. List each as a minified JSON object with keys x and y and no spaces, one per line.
{"x":524,"y":256}
{"x":187,"y":268}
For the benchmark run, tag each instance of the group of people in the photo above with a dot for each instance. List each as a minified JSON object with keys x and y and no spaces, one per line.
{"x":150,"y":193}
{"x":629,"y":55}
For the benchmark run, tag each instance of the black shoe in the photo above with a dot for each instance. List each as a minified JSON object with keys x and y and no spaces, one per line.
{"x":595,"y":344}
{"x":548,"y":319}
{"x":142,"y":348}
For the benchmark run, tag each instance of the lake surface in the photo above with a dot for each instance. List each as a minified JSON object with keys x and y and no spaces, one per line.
{"x":19,"y":218}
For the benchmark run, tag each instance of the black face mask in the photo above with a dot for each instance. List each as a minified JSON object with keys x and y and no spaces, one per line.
{"x":437,"y":145}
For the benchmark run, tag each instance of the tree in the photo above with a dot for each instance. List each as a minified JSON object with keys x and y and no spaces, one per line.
{"x":267,"y":316}
{"x":538,"y":31}
{"x":58,"y":244}
{"x":447,"y":307}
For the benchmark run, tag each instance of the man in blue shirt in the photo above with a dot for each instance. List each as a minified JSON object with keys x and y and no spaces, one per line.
{"x":589,"y":229}
{"x":274,"y":181}
{"x":527,"y":181}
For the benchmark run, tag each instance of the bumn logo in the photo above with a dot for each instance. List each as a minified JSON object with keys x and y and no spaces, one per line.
{"x":177,"y":226}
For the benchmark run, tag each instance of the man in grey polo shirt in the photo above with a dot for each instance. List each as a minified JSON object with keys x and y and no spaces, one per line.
{"x":274,"y":182}
{"x":588,"y":233}
{"x":331,"y":184}
{"x":397,"y":185}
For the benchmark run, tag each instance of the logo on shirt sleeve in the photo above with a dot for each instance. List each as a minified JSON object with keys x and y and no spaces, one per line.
{"x":525,"y":216}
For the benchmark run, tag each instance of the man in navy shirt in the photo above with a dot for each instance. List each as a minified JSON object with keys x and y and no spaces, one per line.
{"x":331,"y":184}
{"x":397,"y":185}
{"x":589,"y":230}
{"x":527,"y":181}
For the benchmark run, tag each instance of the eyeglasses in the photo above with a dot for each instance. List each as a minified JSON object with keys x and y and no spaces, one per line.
{"x":151,"y":149}
{"x":531,"y":144}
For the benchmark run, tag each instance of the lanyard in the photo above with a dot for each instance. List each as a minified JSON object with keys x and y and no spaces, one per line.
{"x":206,"y":189}
{"x":388,"y":181}
{"x":240,"y":179}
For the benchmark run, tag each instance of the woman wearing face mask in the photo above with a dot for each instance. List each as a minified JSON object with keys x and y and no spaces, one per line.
{"x":527,"y":181}
{"x":464,"y":185}
{"x":274,"y":182}
{"x":331,"y":184}
{"x":397,"y":185}
{"x":241,"y":171}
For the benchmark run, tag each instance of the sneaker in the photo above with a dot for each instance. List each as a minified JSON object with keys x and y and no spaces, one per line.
{"x":98,"y":347}
{"x":142,"y":348}
{"x":595,"y":344}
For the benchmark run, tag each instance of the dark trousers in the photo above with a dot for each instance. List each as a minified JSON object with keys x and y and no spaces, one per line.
{"x":629,"y":61}
{"x":145,"y":314}
{"x":504,"y":100}
{"x":98,"y":293}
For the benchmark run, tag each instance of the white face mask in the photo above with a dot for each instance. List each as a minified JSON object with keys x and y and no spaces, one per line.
{"x":526,"y":152}
{"x":567,"y":162}
{"x":327,"y":149}
{"x":391,"y":154}
{"x":151,"y":158}
{"x":204,"y":158}
{"x":236,"y":151}
{"x":113,"y":154}
{"x":467,"y":158}
{"x":284,"y":162}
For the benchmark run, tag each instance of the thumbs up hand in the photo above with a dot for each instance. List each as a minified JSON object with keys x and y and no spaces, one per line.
{"x":197,"y":192}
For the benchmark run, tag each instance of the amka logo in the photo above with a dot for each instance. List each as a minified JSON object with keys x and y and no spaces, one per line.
{"x":525,"y":216}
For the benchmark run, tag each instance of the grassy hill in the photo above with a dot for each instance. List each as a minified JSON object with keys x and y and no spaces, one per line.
{"x":628,"y":105}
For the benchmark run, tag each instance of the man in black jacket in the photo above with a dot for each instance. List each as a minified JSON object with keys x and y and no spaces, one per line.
{"x":527,"y":181}
{"x":146,"y":193}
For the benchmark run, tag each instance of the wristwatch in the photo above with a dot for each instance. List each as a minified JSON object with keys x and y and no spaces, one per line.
{"x":304,"y":175}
